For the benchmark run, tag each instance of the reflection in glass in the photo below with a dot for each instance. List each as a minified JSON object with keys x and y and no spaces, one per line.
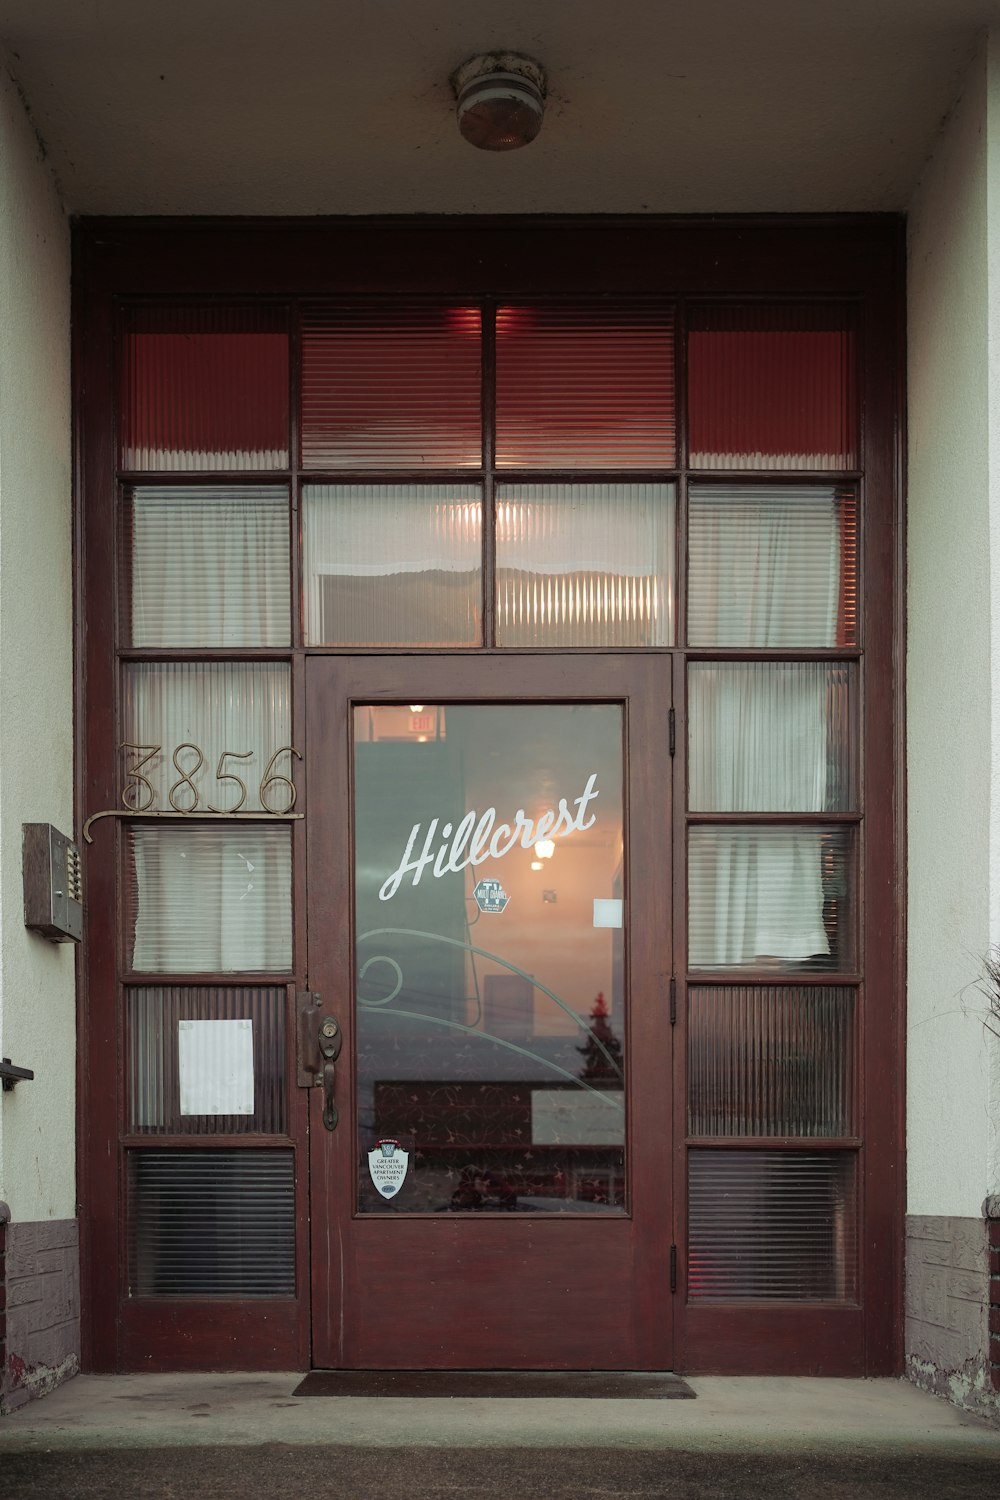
{"x":585,"y":564}
{"x":491,"y":1013}
{"x":770,"y":898}
{"x":392,"y":564}
{"x":771,"y":737}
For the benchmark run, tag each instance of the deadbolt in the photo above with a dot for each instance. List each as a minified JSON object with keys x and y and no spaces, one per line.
{"x":329,"y":1027}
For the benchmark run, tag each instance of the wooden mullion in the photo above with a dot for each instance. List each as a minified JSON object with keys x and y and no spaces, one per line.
{"x":770,"y":978}
{"x":774,"y":1142}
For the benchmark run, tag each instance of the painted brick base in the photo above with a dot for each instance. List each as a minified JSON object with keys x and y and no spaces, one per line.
{"x":952,"y":1331}
{"x":39,"y":1308}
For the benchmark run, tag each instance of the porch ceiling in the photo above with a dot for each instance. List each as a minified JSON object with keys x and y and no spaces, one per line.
{"x":344,"y":106}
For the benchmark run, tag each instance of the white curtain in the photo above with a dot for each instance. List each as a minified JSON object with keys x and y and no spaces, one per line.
{"x":210,"y":566}
{"x":765,"y":571}
{"x":214,"y":896}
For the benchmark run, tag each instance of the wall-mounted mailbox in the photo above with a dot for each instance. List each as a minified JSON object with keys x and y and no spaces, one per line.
{"x":53,"y":888}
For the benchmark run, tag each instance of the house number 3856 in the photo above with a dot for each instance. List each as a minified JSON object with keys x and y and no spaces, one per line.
{"x":276,"y":792}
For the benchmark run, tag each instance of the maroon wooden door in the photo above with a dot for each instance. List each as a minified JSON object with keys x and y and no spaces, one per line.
{"x":489,"y":919}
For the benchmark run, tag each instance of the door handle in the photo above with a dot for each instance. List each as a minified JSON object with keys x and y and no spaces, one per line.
{"x":330,"y":1042}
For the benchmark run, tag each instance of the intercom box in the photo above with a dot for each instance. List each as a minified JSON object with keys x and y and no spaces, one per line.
{"x":53,"y":886}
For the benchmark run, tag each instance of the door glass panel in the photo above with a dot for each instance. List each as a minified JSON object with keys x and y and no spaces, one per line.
{"x":771,"y":737}
{"x":393,"y":564}
{"x":491,"y":1019}
{"x":772,"y":566}
{"x":585,"y":565}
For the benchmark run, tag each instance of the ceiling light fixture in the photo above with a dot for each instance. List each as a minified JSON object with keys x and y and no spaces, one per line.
{"x":501,"y":100}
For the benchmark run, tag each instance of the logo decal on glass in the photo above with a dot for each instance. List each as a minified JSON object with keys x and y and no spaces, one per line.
{"x":490,"y":896}
{"x":474,"y":841}
{"x":387,"y":1165}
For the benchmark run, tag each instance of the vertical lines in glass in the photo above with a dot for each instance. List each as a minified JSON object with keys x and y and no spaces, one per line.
{"x":585,"y":564}
{"x":393,"y":564}
{"x":218,"y":726}
{"x":772,"y":566}
{"x":771,"y":898}
{"x":776,"y":1060}
{"x":208,"y":898}
{"x":772,"y":387}
{"x":204,"y":388}
{"x":773,"y":1226}
{"x":211,"y":1223}
{"x":585,"y":386}
{"x":206,"y":1061}
{"x":208,"y":566}
{"x":771,"y":737}
{"x":391,"y":386}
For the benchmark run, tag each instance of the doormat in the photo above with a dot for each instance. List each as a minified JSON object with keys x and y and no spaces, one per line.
{"x":607,"y":1385}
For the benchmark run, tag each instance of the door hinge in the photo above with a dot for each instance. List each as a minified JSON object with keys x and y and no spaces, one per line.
{"x":673,"y":731}
{"x":673,"y":1268}
{"x":673,"y":1000}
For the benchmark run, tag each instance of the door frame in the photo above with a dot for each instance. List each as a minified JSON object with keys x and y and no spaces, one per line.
{"x":858,"y":257}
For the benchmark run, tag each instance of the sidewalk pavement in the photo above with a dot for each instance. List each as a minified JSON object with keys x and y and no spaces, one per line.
{"x":222,"y":1436}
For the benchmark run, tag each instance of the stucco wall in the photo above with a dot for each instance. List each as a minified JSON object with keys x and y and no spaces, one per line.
{"x":953,"y":670}
{"x":37,"y":1008}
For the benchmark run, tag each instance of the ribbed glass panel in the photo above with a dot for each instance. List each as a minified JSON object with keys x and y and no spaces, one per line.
{"x":776,"y":566}
{"x":771,"y":897}
{"x":771,"y":737}
{"x":392,"y":564}
{"x":154,"y":1065}
{"x":204,"y":1223}
{"x":585,"y":387}
{"x":772,"y":387}
{"x":205,"y":388}
{"x":209,"y":566}
{"x":391,"y":386}
{"x":585,"y":564}
{"x":773,"y":1226}
{"x":771,"y":1061}
{"x":205,"y":717}
{"x":214,"y":898}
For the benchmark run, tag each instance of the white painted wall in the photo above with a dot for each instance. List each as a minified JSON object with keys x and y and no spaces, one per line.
{"x":37,"y":1006}
{"x":953,"y":653}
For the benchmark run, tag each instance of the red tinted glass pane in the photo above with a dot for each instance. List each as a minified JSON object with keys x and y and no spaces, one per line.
{"x":205,"y":388}
{"x":772,"y":387}
{"x":391,"y":387}
{"x":585,"y":387}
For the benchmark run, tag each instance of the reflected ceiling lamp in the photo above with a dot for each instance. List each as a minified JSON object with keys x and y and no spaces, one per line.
{"x":500,"y":100}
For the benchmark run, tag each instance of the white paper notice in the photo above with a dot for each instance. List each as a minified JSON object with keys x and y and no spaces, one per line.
{"x":215,"y":1062}
{"x":607,"y":913}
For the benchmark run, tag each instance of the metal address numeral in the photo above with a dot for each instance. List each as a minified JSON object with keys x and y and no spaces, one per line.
{"x":222,"y":775}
